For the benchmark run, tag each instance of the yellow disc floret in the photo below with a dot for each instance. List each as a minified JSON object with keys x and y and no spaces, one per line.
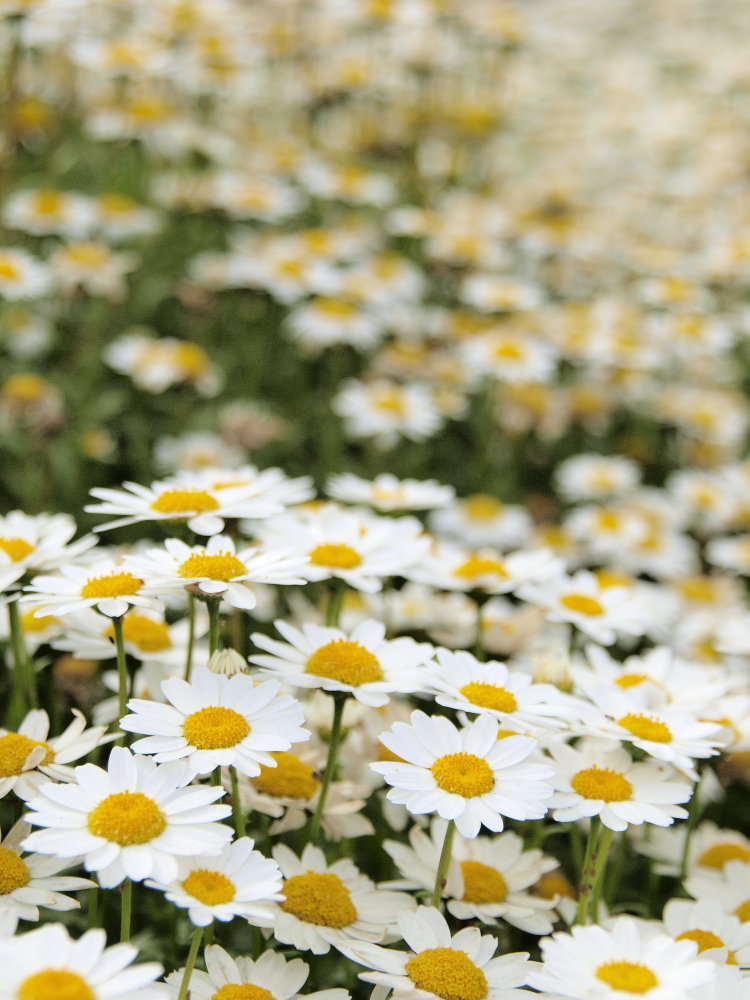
{"x":645,"y":727}
{"x":489,"y":696}
{"x":476,"y":566}
{"x":743,"y":911}
{"x":626,"y":681}
{"x":482,"y":883}
{"x":58,"y":983}
{"x":319,"y":898}
{"x":144,"y":633}
{"x":215,"y":728}
{"x":218,"y":566}
{"x":14,"y":873}
{"x":292,"y":778}
{"x":721,"y":854}
{"x":335,"y":556}
{"x":345,"y":661}
{"x":582,"y":604}
{"x":184,"y":503}
{"x":242,"y":991}
{"x":127,"y":818}
{"x":448,"y":973}
{"x":16,"y":548}
{"x":602,"y":783}
{"x":111,"y":585}
{"x":630,"y":977}
{"x":211,"y":888}
{"x":482,"y":507}
{"x":704,"y":939}
{"x":463,"y":774}
{"x":14,"y":752}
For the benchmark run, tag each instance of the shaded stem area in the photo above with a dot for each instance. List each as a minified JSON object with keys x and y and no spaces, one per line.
{"x":339,"y":700}
{"x":444,"y":863}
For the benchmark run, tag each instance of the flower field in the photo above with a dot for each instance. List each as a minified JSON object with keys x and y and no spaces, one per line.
{"x":375,"y":522}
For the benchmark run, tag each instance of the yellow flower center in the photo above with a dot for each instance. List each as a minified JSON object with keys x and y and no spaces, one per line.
{"x":31,"y":623}
{"x":631,"y":680}
{"x":149,"y":636}
{"x":8,"y":269}
{"x":448,"y":973}
{"x":335,"y":308}
{"x":602,"y":783}
{"x":463,"y":774}
{"x":319,"y":898}
{"x":553,"y":884}
{"x":345,"y":661}
{"x":482,"y":883}
{"x":184,"y":502}
{"x":193,"y":361}
{"x":14,"y":873}
{"x":211,"y":888}
{"x":489,"y":696}
{"x":721,"y":854}
{"x":336,"y":556}
{"x":481,"y":566}
{"x":704,"y":939}
{"x":390,"y":400}
{"x":111,"y":585}
{"x":15,"y":750}
{"x":127,"y":818}
{"x":698,"y":588}
{"x":57,"y":983}
{"x":611,"y":578}
{"x":292,"y":778}
{"x":215,"y":728}
{"x":645,"y":728}
{"x":582,"y":604}
{"x":482,"y":507}
{"x":630,"y":977}
{"x":48,"y":202}
{"x":507,"y":350}
{"x":219,"y":566}
{"x":743,"y":911}
{"x":116,"y":204}
{"x":25,"y":388}
{"x":242,"y":991}
{"x":16,"y":548}
{"x":91,"y":255}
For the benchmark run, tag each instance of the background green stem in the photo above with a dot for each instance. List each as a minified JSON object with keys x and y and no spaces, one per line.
{"x":339,"y":700}
{"x":190,"y":964}
{"x":443,"y":863}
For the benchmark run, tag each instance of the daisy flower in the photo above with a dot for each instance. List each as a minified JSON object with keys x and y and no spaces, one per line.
{"x":600,"y":778}
{"x":106,"y":585}
{"x":324,"y":321}
{"x":452,"y":567}
{"x":363,"y":662}
{"x":459,"y":966}
{"x":387,"y":493}
{"x":131,"y":821}
{"x":31,"y":544}
{"x":481,"y":520}
{"x":728,"y":885}
{"x":234,"y":884}
{"x":215,"y":570}
{"x":721,"y":936}
{"x":47,"y":962}
{"x":217,"y":721}
{"x":29,"y":757}
{"x":626,"y":958}
{"x":466,"y":775}
{"x":26,"y":883}
{"x":387,"y":411}
{"x":22,"y":276}
{"x":595,"y":477}
{"x":272,"y":977}
{"x":330,"y":905}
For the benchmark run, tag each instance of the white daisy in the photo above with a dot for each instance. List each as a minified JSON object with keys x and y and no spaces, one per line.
{"x":106,"y":585}
{"x":452,"y":567}
{"x":722,"y":936}
{"x":22,"y":276}
{"x":217,"y":721}
{"x":481,"y":520}
{"x":363,"y":663}
{"x":387,"y":493}
{"x":130,"y":821}
{"x":235,"y":884}
{"x":466,"y":775}
{"x":33,"y":544}
{"x":387,"y":411}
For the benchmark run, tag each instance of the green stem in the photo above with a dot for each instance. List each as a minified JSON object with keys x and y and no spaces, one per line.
{"x":588,"y":873}
{"x":191,"y":636}
{"x":213,"y":624}
{"x":126,"y":909}
{"x":443,"y":863}
{"x":335,"y":602}
{"x":237,"y":810}
{"x":190,"y":964}
{"x":122,"y":668}
{"x":339,"y":700}
{"x":602,"y":850}
{"x":25,"y":694}
{"x":92,"y":906}
{"x":691,"y":823}
{"x":615,"y":869}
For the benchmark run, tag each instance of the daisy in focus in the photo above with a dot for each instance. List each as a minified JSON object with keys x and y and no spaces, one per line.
{"x":106,"y":585}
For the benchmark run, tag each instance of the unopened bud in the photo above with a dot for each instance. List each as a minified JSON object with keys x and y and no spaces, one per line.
{"x":228,"y":662}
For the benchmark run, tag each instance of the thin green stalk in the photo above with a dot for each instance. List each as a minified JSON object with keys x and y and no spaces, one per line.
{"x":443,"y":863}
{"x":25,"y":694}
{"x":190,"y":964}
{"x":92,"y":908}
{"x":602,"y":850}
{"x":335,"y":603}
{"x":237,"y":810}
{"x":122,"y":668}
{"x":191,"y":636}
{"x":588,"y":872}
{"x":213,"y":624}
{"x":339,"y":700}
{"x":126,"y":909}
{"x":690,"y":823}
{"x":615,"y":869}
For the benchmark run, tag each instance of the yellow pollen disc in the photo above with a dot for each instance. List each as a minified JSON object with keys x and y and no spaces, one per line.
{"x":503,"y":734}
{"x":721,"y":854}
{"x":242,"y":991}
{"x":630,"y":977}
{"x":25,"y":388}
{"x":8,"y":269}
{"x":482,"y":507}
{"x":127,"y":818}
{"x":48,"y":202}
{"x":319,"y":898}
{"x":448,"y":973}
{"x":148,"y":635}
{"x":183,"y":503}
{"x":111,"y":585}
{"x":16,"y":548}
{"x":611,"y":578}
{"x":482,"y":883}
{"x":553,"y":884}
{"x":219,"y":566}
{"x":15,"y":750}
{"x":215,"y":728}
{"x":481,"y":566}
{"x":57,"y":983}
{"x":698,"y":588}
{"x":645,"y":728}
{"x":743,"y":911}
{"x":292,"y":778}
{"x":14,"y":873}
{"x":345,"y":661}
{"x":704,"y":939}
{"x":463,"y":774}
{"x":631,"y":680}
{"x":335,"y":308}
{"x":507,"y":351}
{"x":336,"y":556}
{"x":390,"y":400}
{"x":31,"y":623}
{"x":582,"y":604}
{"x":602,"y":783}
{"x":489,"y":696}
{"x":211,"y":888}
